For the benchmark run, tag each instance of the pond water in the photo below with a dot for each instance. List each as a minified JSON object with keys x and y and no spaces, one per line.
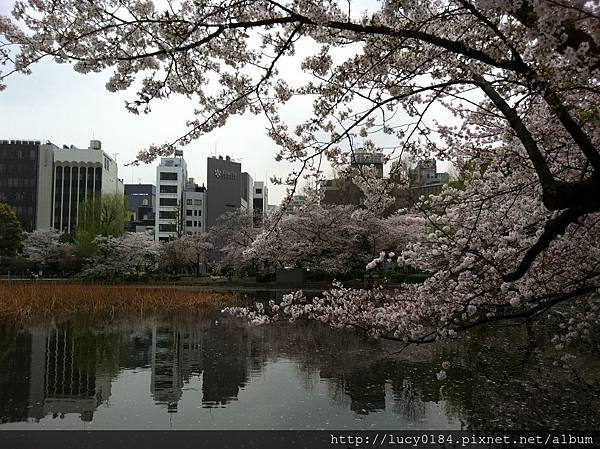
{"x":214,"y":372}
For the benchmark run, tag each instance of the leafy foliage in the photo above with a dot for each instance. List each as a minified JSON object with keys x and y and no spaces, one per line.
{"x":11,"y":234}
{"x":104,"y":216}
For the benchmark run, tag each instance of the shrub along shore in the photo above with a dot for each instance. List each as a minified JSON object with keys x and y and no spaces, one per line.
{"x":29,"y":300}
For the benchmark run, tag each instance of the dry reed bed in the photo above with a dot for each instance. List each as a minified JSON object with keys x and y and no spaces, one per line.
{"x":24,"y":300}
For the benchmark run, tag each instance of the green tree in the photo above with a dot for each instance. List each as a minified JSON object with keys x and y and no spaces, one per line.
{"x":104,"y":215}
{"x":11,"y":234}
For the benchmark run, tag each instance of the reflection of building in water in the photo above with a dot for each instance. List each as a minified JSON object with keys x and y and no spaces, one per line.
{"x":220,"y":354}
{"x":64,"y":374}
{"x":54,"y":371}
{"x":136,"y":350}
{"x":166,"y":381}
{"x":365,"y":388}
{"x":225,"y":359}
{"x":176,"y":357}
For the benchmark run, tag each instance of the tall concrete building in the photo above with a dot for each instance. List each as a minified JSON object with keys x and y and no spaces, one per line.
{"x":343,"y":191}
{"x":26,"y":181}
{"x":45,"y":184}
{"x":224,"y":184}
{"x":296,"y":203}
{"x":424,"y":179}
{"x":80,"y":174}
{"x":171,"y":176}
{"x":260,"y":202}
{"x":247,"y":192}
{"x":368,"y":159}
{"x":194,"y":200}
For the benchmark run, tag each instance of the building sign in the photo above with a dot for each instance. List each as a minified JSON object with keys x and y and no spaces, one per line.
{"x":224,"y":174}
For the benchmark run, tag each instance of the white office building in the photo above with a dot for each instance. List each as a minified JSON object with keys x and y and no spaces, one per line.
{"x":171,"y":176}
{"x":79,"y":174}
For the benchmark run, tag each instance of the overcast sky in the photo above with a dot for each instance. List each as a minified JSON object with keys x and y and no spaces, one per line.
{"x":63,"y":106}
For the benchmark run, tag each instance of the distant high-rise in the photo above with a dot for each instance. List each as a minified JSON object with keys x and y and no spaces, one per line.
{"x":224,"y":186}
{"x":26,"y":181}
{"x":260,"y":202}
{"x":368,"y":159}
{"x":424,"y":179}
{"x":171,"y":176}
{"x":247,"y":192}
{"x":296,"y":203}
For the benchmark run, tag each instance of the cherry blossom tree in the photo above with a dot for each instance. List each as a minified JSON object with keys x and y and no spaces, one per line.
{"x":506,"y":89}
{"x":41,"y":245}
{"x":230,"y":237}
{"x":330,"y":239}
{"x":118,"y":257}
{"x":186,"y":252}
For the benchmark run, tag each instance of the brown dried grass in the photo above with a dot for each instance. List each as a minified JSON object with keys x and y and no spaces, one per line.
{"x":26,"y":300}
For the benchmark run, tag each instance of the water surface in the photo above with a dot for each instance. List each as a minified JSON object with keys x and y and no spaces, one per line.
{"x":211,"y":372}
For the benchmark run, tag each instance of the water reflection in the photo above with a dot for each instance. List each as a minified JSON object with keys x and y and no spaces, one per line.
{"x":212,"y":372}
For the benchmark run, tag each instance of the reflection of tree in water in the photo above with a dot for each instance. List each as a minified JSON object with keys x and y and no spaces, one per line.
{"x":507,"y":380}
{"x":408,"y":400}
{"x":500,"y":377}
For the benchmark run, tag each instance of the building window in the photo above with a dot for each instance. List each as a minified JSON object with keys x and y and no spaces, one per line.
{"x":145,"y":202}
{"x":167,"y":214}
{"x":195,"y":224}
{"x":189,"y":202}
{"x":197,"y":202}
{"x":168,"y":201}
{"x":188,"y":223}
{"x":258,"y":191}
{"x":195,"y":213}
{"x":168,"y":176}
{"x":188,"y":212}
{"x":168,"y":189}
{"x":168,"y":227}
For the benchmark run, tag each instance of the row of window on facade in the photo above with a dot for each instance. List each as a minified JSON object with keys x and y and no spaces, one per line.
{"x":7,"y":154}
{"x":172,"y":227}
{"x":17,"y":197}
{"x":18,"y":169}
{"x":172,"y":215}
{"x":175,"y":202}
{"x":17,"y":182}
